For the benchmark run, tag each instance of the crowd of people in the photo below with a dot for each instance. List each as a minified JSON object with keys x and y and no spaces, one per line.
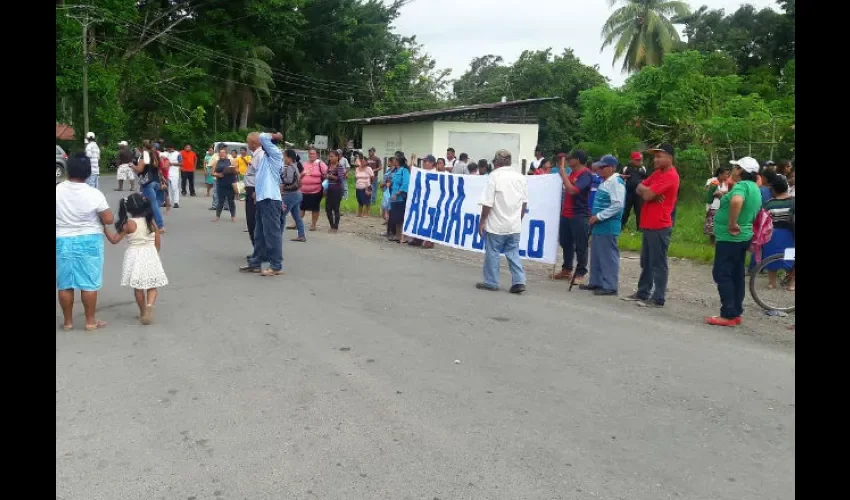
{"x":598,"y":198}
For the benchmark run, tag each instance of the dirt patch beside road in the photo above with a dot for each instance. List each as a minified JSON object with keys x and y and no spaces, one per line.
{"x":691,"y":292}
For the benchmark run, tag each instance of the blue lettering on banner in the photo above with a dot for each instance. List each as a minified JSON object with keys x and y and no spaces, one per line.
{"x":477,"y":240}
{"x":468,"y":227}
{"x":414,"y":203}
{"x":454,"y":212}
{"x":536,"y":228}
{"x":421,"y":229}
{"x":439,"y":234}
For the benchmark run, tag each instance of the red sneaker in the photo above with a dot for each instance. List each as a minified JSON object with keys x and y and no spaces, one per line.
{"x":719,"y":321}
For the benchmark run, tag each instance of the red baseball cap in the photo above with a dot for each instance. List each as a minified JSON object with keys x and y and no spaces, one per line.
{"x":636,"y":155}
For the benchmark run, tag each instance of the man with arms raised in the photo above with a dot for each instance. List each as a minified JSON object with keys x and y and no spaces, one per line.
{"x":268,"y":233}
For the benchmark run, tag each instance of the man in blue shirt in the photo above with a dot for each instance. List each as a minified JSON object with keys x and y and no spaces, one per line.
{"x":606,"y":224}
{"x":268,"y":231}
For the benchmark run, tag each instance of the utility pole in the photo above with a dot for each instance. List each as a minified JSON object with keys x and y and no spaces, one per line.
{"x":85,"y":19}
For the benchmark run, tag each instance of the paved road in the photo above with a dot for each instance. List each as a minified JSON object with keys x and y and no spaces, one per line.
{"x":339,"y":381}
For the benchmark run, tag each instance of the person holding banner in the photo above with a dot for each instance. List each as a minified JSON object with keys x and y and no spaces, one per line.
{"x":573,"y":230}
{"x":398,"y":196}
{"x":503,"y":205}
{"x":607,"y":210}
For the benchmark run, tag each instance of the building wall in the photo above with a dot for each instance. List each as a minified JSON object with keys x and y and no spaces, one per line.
{"x":527,"y":138}
{"x":411,"y":138}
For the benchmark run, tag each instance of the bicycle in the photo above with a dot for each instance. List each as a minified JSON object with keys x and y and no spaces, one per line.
{"x":781,"y":296}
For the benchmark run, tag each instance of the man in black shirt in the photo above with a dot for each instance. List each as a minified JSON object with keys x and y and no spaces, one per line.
{"x":634,"y":173}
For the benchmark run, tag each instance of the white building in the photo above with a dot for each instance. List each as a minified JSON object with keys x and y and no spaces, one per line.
{"x":479,"y":130}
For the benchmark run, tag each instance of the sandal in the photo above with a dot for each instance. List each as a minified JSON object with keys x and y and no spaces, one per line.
{"x":312,"y":228}
{"x":68,"y":328}
{"x":96,"y":326}
{"x":271,"y":272}
{"x":300,"y":238}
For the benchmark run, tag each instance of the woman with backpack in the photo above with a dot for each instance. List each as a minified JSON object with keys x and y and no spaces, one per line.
{"x":734,"y":230}
{"x":290,"y":181}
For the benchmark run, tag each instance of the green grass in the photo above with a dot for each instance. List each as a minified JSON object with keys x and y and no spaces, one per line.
{"x":687,"y":241}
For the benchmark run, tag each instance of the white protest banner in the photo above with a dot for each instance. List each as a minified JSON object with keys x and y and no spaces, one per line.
{"x":443,"y":208}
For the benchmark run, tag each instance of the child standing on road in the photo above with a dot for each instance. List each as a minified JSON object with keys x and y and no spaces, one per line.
{"x":142,"y":268}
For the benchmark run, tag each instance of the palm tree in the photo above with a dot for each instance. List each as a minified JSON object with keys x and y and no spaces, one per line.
{"x":247,"y":80}
{"x":642,"y":31}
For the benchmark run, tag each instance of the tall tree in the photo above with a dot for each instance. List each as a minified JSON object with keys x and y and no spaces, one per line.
{"x":642,"y":31}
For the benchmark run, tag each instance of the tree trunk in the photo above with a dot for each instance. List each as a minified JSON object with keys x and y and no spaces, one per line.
{"x":243,"y":119}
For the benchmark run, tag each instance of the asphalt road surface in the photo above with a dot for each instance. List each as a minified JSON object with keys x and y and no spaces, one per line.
{"x":340,"y":381}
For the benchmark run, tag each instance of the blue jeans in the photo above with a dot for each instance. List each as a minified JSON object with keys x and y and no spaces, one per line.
{"x":94,"y":181}
{"x":293,"y":206}
{"x":149,"y":191}
{"x":268,"y":235}
{"x":494,"y":246}
{"x":374,"y":189}
{"x":215,"y":197}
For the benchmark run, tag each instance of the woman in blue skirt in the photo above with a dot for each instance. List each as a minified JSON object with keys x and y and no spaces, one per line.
{"x":781,"y":208}
{"x":81,"y":213}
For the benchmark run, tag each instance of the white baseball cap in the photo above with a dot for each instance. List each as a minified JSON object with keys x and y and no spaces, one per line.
{"x":749,"y":164}
{"x":122,"y":143}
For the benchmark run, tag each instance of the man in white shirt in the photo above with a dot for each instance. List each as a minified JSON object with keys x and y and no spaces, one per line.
{"x":93,"y":154}
{"x":451,"y":161}
{"x":174,"y":175}
{"x":503,"y":206}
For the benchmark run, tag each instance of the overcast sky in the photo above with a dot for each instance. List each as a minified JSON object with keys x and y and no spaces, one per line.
{"x":455,"y":31}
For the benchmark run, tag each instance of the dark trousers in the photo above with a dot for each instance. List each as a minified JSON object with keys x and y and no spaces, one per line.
{"x":187,"y":177}
{"x":225,"y":194}
{"x":633,"y":202}
{"x":573,"y":236}
{"x":250,"y":211}
{"x":728,"y":272}
{"x":605,"y":262}
{"x":332,"y":202}
{"x":268,"y":235}
{"x":653,"y":264}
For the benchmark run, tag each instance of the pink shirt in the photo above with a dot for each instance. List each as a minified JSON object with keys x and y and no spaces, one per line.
{"x":311,"y":178}
{"x":363,"y":178}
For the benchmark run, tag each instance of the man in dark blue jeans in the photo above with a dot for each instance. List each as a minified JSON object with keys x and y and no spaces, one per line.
{"x":268,"y":230}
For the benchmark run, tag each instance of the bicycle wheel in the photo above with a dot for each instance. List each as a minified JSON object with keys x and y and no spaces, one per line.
{"x":778,"y":298}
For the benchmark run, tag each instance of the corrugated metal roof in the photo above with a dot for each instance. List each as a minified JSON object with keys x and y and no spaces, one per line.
{"x":435,"y":113}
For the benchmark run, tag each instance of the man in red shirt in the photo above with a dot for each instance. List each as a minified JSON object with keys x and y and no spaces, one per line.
{"x":658,"y":192}
{"x":573,"y":229}
{"x":187,"y":170}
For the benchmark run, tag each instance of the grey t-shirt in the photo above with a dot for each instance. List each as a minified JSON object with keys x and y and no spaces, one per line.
{"x":250,"y":178}
{"x":460,"y":168}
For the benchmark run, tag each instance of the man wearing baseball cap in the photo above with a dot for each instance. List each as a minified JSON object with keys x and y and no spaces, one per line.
{"x":733,"y":230}
{"x":659,"y":192}
{"x":634,"y":173}
{"x":93,"y":154}
{"x":605,"y":222}
{"x":573,"y":229}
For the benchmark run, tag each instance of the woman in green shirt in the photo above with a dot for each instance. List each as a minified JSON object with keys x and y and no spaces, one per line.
{"x":733,"y":230}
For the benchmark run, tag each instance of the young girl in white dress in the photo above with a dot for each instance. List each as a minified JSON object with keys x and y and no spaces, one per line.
{"x":142,"y":268}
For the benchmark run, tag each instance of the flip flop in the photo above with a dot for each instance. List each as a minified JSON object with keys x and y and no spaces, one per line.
{"x":67,"y":328}
{"x":302,"y":240}
{"x":272,"y":273}
{"x":96,"y":326}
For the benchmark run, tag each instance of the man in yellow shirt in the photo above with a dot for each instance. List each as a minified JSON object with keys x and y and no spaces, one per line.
{"x":243,"y":162}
